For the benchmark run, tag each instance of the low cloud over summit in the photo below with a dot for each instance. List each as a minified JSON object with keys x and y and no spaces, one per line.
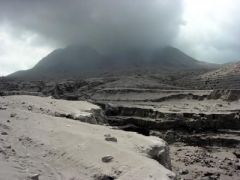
{"x":104,"y":24}
{"x":206,"y":30}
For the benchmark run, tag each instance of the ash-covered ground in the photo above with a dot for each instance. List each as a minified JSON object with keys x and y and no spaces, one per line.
{"x":200,"y":121}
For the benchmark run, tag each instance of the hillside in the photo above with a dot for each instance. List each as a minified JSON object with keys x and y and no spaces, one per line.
{"x":79,"y":61}
{"x":232,"y":69}
{"x":225,"y":77}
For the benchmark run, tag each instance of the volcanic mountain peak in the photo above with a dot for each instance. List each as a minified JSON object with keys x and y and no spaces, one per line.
{"x":84,"y":61}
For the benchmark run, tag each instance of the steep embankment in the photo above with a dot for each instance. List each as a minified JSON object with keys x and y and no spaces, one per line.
{"x":35,"y":144}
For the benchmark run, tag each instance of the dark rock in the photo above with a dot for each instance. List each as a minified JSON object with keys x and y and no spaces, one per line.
{"x":212,"y":175}
{"x":3,"y":108}
{"x":237,"y":153}
{"x":104,"y":177}
{"x":108,"y":137}
{"x":183,"y":172}
{"x":4,"y":133}
{"x":107,"y":159}
{"x":9,"y":147}
{"x":30,"y":108}
{"x":13,"y":115}
{"x":34,"y":177}
{"x":113,"y":139}
{"x":237,"y":166}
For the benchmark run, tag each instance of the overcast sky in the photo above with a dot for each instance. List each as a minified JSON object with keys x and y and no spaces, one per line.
{"x":208,"y":30}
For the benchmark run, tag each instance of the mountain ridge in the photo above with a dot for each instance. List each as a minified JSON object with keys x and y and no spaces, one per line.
{"x":83,"y":61}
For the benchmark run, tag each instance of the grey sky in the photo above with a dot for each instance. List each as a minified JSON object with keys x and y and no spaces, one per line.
{"x":30,"y":29}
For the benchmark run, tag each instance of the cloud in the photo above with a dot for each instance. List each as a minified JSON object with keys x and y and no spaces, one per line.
{"x":211,"y":30}
{"x":29,"y":29}
{"x":103,"y":24}
{"x":19,"y":53}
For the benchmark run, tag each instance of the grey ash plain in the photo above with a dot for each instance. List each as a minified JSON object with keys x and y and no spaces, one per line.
{"x":193,"y":106}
